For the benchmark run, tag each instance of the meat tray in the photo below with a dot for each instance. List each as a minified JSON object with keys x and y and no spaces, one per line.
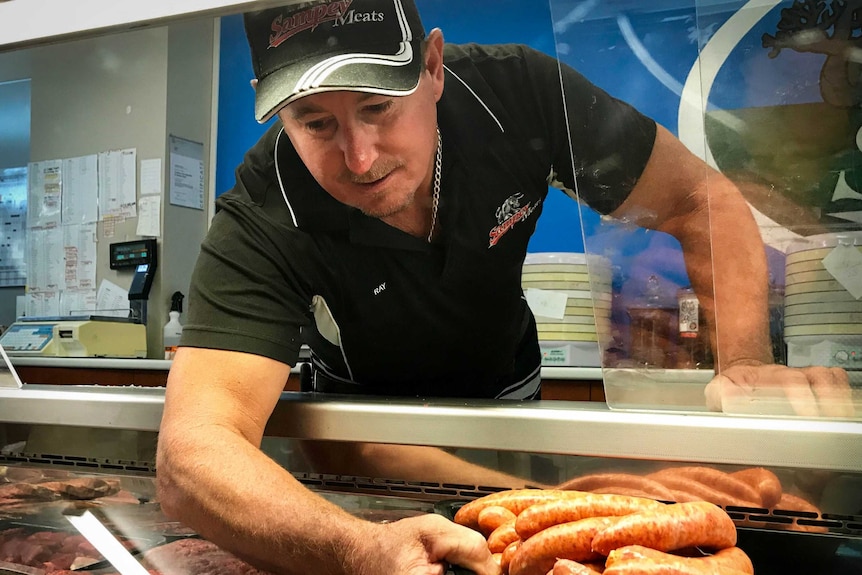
{"x":47,"y":548}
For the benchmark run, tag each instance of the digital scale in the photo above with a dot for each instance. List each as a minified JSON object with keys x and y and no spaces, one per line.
{"x":76,"y":336}
{"x":94,"y":335}
{"x":140,"y":256}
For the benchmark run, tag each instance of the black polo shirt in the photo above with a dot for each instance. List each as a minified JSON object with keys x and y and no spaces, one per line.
{"x":285,"y":264}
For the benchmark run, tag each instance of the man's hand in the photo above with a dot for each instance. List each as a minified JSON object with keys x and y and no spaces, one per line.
{"x":425,"y":545}
{"x":780,"y":390}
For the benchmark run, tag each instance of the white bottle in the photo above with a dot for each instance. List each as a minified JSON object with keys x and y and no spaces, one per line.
{"x":173,"y":329}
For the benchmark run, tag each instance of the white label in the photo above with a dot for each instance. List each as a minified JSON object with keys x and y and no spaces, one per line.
{"x":845,"y":265}
{"x":546,"y":303}
{"x":556,"y":356}
{"x":689,"y":315}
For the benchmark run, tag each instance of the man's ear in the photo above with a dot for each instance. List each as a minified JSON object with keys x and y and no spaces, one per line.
{"x":434,"y":60}
{"x":253,"y":83}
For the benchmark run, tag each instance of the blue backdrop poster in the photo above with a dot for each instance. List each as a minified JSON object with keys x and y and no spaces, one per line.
{"x":768,"y":92}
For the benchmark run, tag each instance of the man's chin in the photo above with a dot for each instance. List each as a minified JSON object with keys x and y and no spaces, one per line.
{"x":382,"y":212}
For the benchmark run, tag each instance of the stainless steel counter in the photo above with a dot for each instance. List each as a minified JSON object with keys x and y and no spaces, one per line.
{"x":566,"y":428}
{"x":572,"y":373}
{"x":92,"y":363}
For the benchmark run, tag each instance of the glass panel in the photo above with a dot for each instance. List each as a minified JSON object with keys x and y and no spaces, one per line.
{"x":731,"y":82}
{"x":720,"y":76}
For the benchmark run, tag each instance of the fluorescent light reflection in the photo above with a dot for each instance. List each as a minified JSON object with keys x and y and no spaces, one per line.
{"x":105,"y":543}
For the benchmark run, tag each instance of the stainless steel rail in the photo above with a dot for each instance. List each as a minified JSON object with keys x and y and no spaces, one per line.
{"x":566,"y":428}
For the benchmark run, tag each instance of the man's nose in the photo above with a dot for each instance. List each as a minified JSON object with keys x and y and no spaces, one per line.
{"x":359,"y":145}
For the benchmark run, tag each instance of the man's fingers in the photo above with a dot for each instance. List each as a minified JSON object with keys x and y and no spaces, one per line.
{"x":459,"y":545}
{"x":713,"y":392}
{"x":472,"y":553}
{"x":831,"y":387}
{"x":798,"y":390}
{"x":762,"y":389}
{"x":807,"y":391}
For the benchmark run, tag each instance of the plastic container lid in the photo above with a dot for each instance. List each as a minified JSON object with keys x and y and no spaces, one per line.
{"x":825,"y":241}
{"x":566,"y":258}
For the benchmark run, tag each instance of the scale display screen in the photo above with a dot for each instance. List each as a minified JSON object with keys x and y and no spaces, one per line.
{"x":132,"y":254}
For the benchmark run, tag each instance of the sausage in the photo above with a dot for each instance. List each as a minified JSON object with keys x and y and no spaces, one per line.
{"x":647,"y":567}
{"x":595,"y":481}
{"x":715,"y":479}
{"x":507,"y":555}
{"x":492,"y":517}
{"x":732,"y":558}
{"x":515,"y":500}
{"x":543,"y":515}
{"x":725,"y":482}
{"x":631,"y":492}
{"x":569,"y":567}
{"x":764,"y":482}
{"x":500,"y":538}
{"x":675,"y":526}
{"x":789,"y":502}
{"x":685,"y":479}
{"x":537,"y":555}
{"x":681,"y":496}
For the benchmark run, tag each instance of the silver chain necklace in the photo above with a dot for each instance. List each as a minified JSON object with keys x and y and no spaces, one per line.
{"x":435,"y":198}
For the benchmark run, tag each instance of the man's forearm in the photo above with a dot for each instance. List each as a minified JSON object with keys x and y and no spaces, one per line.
{"x":235,"y":496}
{"x":404,"y":462}
{"x":728,"y":271}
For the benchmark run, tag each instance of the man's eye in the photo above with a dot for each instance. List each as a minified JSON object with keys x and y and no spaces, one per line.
{"x":318,"y":125}
{"x":379,"y":108}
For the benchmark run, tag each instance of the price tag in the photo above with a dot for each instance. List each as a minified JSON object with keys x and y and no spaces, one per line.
{"x":547,"y":303}
{"x":845,"y":265}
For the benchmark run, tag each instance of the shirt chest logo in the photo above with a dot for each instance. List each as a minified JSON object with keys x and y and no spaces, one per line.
{"x":508,"y":214}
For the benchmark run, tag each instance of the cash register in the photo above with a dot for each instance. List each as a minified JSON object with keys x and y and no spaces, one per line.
{"x":92,"y":335}
{"x":76,"y":336}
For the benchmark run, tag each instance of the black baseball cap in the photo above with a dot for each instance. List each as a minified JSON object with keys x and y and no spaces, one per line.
{"x":312,"y":47}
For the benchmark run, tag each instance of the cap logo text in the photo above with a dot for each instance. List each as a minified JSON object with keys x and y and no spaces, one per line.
{"x":354,"y":17}
{"x":285,"y":27}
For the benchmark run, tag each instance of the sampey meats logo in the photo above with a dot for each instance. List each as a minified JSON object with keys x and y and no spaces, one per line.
{"x":285,"y":27}
{"x":509,"y":214}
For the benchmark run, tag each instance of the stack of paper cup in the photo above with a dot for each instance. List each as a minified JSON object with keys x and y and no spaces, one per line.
{"x":822,"y":309}
{"x":570,"y":296}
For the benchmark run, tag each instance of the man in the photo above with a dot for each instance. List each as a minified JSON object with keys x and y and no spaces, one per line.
{"x":384,"y":221}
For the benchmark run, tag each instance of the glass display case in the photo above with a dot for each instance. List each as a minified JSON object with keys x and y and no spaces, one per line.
{"x":738,"y":86}
{"x":810,"y":515}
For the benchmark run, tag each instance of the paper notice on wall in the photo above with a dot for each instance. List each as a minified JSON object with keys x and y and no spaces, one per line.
{"x":78,"y":302}
{"x":151,"y":177}
{"x":81,"y":190}
{"x":13,"y":227}
{"x":118,"y":183}
{"x":43,"y":304}
{"x":79,"y":250}
{"x":44,"y":193}
{"x":149,"y":213}
{"x":187,"y":173}
{"x":45,"y":259}
{"x":112,"y":300}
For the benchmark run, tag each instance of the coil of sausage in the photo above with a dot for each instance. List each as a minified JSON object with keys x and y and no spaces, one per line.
{"x":676,"y":526}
